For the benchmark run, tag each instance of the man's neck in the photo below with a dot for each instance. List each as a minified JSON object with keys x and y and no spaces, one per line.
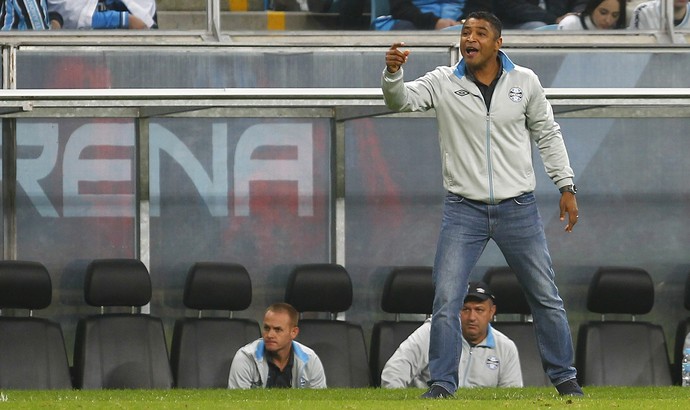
{"x":476,"y":342}
{"x":487,"y":73}
{"x":281,"y":358}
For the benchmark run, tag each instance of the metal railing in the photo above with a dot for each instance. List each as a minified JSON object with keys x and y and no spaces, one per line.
{"x":321,"y":102}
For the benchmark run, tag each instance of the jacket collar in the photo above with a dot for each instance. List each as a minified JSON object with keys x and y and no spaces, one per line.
{"x":507,"y":64}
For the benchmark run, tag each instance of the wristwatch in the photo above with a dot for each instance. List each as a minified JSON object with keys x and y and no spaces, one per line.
{"x":568,"y":188}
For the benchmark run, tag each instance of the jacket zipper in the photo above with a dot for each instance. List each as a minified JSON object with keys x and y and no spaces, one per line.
{"x":489,"y":165}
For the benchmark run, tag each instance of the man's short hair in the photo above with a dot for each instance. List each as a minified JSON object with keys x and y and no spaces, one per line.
{"x":490,"y":17}
{"x":283,"y":307}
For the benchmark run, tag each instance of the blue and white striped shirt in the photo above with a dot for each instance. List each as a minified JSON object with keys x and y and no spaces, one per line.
{"x":24,"y":15}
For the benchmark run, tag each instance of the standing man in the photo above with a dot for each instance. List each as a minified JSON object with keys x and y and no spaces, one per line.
{"x":276,"y":360}
{"x":489,"y":110}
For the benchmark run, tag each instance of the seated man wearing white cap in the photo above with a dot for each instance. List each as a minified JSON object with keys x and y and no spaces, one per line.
{"x":489,"y":358}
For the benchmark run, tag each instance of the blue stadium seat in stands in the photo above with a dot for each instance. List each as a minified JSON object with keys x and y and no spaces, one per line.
{"x":548,"y":27}
{"x":339,"y":344}
{"x":407,"y":290}
{"x":380,"y":10}
{"x":120,"y":350}
{"x":32,"y":350}
{"x":510,"y":300}
{"x":622,"y":353}
{"x":203,"y":348}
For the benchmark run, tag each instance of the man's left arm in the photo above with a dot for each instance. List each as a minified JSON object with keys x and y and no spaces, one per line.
{"x":546,"y":133}
{"x":568,"y":205}
{"x":511,"y":372}
{"x":317,"y":376}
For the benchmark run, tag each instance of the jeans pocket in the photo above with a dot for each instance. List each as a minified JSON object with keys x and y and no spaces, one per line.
{"x":525,"y":199}
{"x":452,"y":198}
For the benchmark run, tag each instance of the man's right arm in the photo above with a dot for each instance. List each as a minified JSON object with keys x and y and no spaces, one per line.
{"x":408,"y":361}
{"x":644,"y":17}
{"x":241,"y":372}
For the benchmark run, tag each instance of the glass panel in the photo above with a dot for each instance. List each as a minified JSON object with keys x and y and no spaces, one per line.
{"x":633,"y":191}
{"x":75,"y":202}
{"x":206,"y":67}
{"x":249,"y":191}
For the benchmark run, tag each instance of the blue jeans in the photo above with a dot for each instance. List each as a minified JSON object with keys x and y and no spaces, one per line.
{"x":516,"y":227}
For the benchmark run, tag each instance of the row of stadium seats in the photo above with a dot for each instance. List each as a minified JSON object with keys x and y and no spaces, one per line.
{"x":128,"y":350}
{"x":604,"y":348}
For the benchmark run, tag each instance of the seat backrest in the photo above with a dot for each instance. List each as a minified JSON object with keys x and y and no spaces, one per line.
{"x":407,"y":290}
{"x":511,"y":300}
{"x":339,"y":344}
{"x":622,"y":353}
{"x":203,"y":348}
{"x":120,"y":350}
{"x":619,"y":353}
{"x":32,"y":350}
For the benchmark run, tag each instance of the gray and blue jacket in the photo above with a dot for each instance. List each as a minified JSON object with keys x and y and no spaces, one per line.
{"x":250,"y":367}
{"x":494,"y":362}
{"x":486,"y":154}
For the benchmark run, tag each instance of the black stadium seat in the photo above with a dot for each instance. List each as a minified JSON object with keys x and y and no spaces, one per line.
{"x":339,"y":344}
{"x":32,"y":350}
{"x":120,"y":350}
{"x":407,"y":290}
{"x":622,"y":353}
{"x":203,"y":348}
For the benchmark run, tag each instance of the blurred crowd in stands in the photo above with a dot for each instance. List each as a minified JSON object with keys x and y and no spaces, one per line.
{"x":385,"y":14}
{"x":77,"y":14}
{"x":532,"y":14}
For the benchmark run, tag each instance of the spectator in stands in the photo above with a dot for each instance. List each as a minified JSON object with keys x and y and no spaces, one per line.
{"x":351,"y":14}
{"x":105,"y":14}
{"x":531,"y":14}
{"x":276,"y":359}
{"x":630,"y":6}
{"x":597,"y":15}
{"x":489,"y":358}
{"x":647,"y":15}
{"x":27,"y":15}
{"x":427,"y":14}
{"x":486,"y":97}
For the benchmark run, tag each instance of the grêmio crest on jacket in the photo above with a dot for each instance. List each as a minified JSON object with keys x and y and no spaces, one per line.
{"x":515,"y":94}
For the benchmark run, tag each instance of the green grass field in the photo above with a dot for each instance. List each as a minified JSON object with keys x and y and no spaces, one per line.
{"x":489,"y":398}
